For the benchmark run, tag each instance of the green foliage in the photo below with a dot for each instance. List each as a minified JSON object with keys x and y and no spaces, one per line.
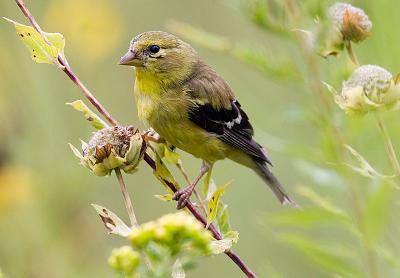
{"x":374,"y":218}
{"x":336,"y":260}
{"x":213,"y":203}
{"x":92,"y":117}
{"x":252,"y":55}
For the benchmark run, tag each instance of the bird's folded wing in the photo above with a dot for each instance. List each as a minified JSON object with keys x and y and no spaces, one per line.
{"x":218,"y":112}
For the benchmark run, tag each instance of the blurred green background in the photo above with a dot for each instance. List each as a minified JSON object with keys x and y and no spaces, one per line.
{"x":48,"y":228}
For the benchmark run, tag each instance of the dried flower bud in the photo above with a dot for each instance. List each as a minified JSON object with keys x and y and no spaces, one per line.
{"x":110,"y":148}
{"x":369,"y":87}
{"x":175,"y":231}
{"x":352,"y":22}
{"x":124,"y":260}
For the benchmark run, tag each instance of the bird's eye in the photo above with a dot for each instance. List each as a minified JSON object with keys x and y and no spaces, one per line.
{"x":154,"y":48}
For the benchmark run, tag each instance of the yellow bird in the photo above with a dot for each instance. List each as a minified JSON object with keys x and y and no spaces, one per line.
{"x":193,"y":108}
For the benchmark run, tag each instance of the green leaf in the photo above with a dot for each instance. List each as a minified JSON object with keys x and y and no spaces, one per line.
{"x":376,"y":212}
{"x":321,"y":202}
{"x":94,"y":120}
{"x":308,"y":218}
{"x":390,"y":258}
{"x":112,"y":222}
{"x":209,"y":186}
{"x":232,"y":235}
{"x":40,"y":51}
{"x":165,"y":197}
{"x":334,"y":259}
{"x":318,"y":174}
{"x":170,"y":156}
{"x":223,"y":218}
{"x":365,"y":169}
{"x":212,"y":204}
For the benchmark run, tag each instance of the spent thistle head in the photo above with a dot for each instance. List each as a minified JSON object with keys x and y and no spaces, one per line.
{"x":110,"y":148}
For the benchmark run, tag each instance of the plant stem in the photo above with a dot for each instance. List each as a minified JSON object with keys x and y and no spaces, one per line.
{"x":352,"y":54}
{"x":292,"y":10}
{"x":127,"y":199}
{"x":214,"y":231}
{"x":388,"y":144}
{"x":100,"y":108}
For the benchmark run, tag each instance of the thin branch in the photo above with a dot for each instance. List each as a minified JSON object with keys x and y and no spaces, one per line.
{"x":100,"y":108}
{"x":127,"y":199}
{"x":388,"y":145}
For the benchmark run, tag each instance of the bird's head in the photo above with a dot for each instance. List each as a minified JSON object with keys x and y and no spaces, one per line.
{"x":160,"y":53}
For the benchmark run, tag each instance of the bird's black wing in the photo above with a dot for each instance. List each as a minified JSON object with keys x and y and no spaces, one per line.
{"x":231,"y":125}
{"x":217,"y":111}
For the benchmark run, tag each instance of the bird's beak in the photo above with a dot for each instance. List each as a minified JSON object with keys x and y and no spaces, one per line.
{"x":131,"y":59}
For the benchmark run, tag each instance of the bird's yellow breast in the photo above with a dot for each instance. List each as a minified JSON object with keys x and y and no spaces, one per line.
{"x":167,"y":113}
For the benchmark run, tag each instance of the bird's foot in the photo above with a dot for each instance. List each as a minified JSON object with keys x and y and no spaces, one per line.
{"x":183,"y":196}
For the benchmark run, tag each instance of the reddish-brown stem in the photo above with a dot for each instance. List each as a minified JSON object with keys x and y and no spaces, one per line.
{"x":100,"y":108}
{"x":216,"y":234}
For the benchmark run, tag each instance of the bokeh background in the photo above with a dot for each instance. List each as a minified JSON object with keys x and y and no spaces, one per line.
{"x":47,"y":226}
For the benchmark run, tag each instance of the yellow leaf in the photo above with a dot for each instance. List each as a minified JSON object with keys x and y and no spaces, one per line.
{"x":165,"y":197}
{"x":170,"y":156}
{"x":212,"y":204}
{"x":40,"y":51}
{"x":94,"y":120}
{"x":163,"y":174}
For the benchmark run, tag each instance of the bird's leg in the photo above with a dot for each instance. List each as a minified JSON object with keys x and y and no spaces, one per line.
{"x":183,"y":195}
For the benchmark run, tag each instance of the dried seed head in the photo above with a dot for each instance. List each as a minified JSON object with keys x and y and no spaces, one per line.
{"x":369,"y":88}
{"x":112,"y":147}
{"x":352,"y":22}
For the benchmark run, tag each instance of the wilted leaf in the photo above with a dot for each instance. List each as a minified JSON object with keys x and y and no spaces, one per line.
{"x":212,"y":204}
{"x":220,"y":246}
{"x":40,"y":51}
{"x":334,"y":259}
{"x":112,"y":222}
{"x":365,"y":169}
{"x":76,"y":152}
{"x":376,"y":212}
{"x":177,"y":270}
{"x":94,"y":120}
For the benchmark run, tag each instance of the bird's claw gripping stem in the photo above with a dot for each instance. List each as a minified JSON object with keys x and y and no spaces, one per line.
{"x":183,"y":196}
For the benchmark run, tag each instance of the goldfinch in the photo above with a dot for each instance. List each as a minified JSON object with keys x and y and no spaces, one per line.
{"x":193,"y":108}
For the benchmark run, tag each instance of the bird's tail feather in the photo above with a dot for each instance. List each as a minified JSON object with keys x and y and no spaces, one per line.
{"x":273,"y":183}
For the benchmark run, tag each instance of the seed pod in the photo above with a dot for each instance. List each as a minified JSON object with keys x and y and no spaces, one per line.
{"x":369,"y":88}
{"x":352,"y":22}
{"x":110,"y":148}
